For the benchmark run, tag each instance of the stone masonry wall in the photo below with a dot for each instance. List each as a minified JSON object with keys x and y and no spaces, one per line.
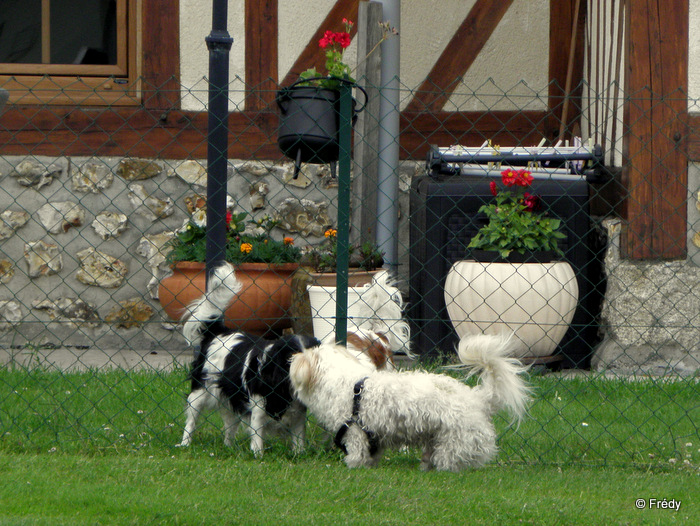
{"x":81,"y":258}
{"x":81,"y":240}
{"x":650,"y":315}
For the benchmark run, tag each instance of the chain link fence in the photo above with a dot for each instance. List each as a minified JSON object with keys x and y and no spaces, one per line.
{"x":93,"y":199}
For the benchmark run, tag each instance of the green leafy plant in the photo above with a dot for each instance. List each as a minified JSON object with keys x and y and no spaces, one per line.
{"x":324,"y":257}
{"x":514,"y":222}
{"x":334,"y":45}
{"x":253,"y":245}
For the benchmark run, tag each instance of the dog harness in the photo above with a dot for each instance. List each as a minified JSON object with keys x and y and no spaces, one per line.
{"x":355,"y":419}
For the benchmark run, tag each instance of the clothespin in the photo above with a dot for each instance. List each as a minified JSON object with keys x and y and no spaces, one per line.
{"x":496,"y":151}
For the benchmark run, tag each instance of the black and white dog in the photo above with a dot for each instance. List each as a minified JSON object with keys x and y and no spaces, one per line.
{"x":239,"y":373}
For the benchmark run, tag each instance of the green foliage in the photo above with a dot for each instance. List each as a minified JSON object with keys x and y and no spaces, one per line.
{"x":333,"y":44}
{"x":512,"y":228}
{"x":371,"y":257}
{"x":324,"y":257}
{"x":513,"y":222}
{"x":241,"y":247}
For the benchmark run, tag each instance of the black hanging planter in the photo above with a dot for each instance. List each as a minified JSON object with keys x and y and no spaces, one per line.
{"x":309,"y":122}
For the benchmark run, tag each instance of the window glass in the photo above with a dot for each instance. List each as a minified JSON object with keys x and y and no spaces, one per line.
{"x":58,"y":31}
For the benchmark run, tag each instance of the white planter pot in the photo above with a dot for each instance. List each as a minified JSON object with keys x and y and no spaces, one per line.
{"x":322,"y":300}
{"x":535,"y":300}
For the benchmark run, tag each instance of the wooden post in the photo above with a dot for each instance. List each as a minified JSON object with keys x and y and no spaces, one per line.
{"x":261,"y":20}
{"x":655,"y":166}
{"x":366,"y":147}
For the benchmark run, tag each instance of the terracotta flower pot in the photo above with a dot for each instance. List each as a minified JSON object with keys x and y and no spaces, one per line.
{"x":262,"y":306}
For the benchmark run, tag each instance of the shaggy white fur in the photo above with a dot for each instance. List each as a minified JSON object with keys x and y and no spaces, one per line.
{"x":449,"y":420}
{"x":378,"y":337}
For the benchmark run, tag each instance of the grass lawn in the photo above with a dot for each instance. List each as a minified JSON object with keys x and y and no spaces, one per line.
{"x":192,"y":487}
{"x":99,"y":448}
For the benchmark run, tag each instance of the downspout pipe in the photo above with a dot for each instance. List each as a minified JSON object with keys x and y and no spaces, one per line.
{"x":219,"y":45}
{"x":389,"y":112}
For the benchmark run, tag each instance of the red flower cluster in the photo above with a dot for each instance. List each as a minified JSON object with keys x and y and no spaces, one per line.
{"x":331,"y":38}
{"x":520,"y":177}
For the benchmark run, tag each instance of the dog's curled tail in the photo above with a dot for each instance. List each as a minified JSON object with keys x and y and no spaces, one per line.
{"x":222,"y":288}
{"x":384,"y":300}
{"x":490,"y":356}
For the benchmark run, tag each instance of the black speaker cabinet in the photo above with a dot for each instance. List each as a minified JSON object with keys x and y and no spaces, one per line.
{"x":444,"y":218}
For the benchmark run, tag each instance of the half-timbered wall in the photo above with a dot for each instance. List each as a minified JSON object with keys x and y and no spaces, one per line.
{"x":441,"y":41}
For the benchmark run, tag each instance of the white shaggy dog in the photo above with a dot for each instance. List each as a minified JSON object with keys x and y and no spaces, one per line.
{"x":372,"y":410}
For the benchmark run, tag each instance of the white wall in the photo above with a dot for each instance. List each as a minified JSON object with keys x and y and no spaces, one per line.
{"x":694,"y":57}
{"x":195,"y":25}
{"x":517,"y":51}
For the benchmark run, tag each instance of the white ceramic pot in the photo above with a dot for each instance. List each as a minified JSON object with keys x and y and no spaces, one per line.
{"x":322,"y":300}
{"x":537,"y":301}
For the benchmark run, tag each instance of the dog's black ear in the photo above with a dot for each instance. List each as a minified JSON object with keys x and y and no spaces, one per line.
{"x":274,"y":375}
{"x":308,"y":341}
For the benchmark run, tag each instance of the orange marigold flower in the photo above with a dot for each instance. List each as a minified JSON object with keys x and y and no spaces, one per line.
{"x":331,"y":232}
{"x":288,"y":241}
{"x":246,"y":248}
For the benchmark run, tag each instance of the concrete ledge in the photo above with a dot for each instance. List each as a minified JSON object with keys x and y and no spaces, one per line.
{"x":73,"y":359}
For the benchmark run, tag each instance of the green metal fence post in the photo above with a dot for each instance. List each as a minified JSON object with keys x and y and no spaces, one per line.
{"x":345,"y":131}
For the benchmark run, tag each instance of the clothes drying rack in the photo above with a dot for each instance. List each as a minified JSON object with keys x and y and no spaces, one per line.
{"x":544,"y":162}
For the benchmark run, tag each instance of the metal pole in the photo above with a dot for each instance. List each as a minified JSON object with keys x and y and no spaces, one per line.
{"x":219,"y":44}
{"x":343,"y":239}
{"x":387,"y":170}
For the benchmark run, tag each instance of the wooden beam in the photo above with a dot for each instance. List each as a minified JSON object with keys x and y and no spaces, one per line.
{"x":161,"y":54}
{"x":655,"y":167}
{"x":561,"y":27}
{"x":131,"y":132}
{"x":693,"y":141}
{"x":458,"y":56}
{"x":56,"y":131}
{"x":312,"y":57}
{"x":420,"y":130}
{"x":261,"y":22}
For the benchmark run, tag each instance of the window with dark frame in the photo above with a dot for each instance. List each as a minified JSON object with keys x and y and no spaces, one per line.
{"x":69,"y":51}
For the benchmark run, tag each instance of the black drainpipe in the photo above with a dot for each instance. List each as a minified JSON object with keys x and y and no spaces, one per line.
{"x":219,"y":44}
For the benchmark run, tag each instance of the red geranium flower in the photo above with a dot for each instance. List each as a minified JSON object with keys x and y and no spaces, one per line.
{"x":524,"y":178}
{"x":343,"y":39}
{"x":333,"y":45}
{"x":531,"y":202}
{"x":520,"y":177}
{"x":326,"y":40}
